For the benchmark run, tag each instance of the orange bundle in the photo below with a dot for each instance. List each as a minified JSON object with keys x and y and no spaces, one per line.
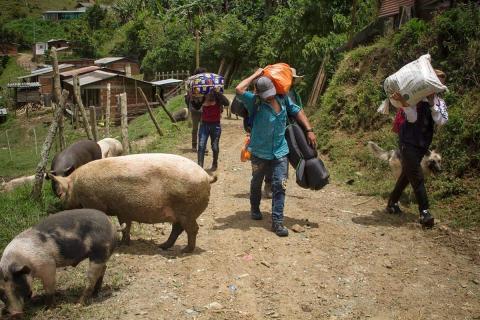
{"x":244,"y":153}
{"x":281,"y":76}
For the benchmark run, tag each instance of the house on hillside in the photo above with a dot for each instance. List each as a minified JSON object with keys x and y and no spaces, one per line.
{"x":56,"y":15}
{"x":93,"y":88}
{"x":397,"y":12}
{"x":127,"y":65}
{"x":25,"y":92}
{"x":44,"y":76}
{"x":79,"y":63}
{"x":40,"y":48}
{"x":8,"y":49}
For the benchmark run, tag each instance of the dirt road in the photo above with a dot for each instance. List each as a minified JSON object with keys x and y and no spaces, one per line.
{"x":351,"y":262}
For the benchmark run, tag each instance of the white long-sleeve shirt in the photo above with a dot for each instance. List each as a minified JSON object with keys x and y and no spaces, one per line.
{"x":438,"y":109}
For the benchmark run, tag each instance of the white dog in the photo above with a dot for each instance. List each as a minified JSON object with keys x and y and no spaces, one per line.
{"x":431,"y":162}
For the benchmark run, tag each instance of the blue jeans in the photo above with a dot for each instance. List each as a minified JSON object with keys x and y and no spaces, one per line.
{"x":261,"y":168}
{"x":212,"y":130}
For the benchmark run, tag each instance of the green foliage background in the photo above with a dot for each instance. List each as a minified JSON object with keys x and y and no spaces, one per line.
{"x":248,"y":34}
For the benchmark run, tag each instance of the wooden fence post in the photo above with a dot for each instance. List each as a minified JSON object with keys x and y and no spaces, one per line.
{"x":75,"y":107}
{"x":78,"y":98}
{"x":150,"y":112}
{"x":35,"y":137}
{"x":107,"y":112}
{"x":8,"y":144}
{"x":42,"y":164}
{"x":164,"y":107}
{"x":93,"y":121}
{"x":57,"y":92}
{"x":124,"y":122}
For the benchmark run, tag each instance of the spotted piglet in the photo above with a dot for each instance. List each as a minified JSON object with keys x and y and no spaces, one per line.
{"x":63,"y":239}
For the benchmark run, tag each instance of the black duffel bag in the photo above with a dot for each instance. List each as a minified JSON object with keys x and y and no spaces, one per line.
{"x":310,"y":170}
{"x":298,"y":145}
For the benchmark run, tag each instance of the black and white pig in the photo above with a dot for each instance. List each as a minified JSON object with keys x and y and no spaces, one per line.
{"x":63,"y":239}
{"x":72,"y":158}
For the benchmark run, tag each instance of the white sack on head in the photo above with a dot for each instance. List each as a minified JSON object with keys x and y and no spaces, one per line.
{"x":414,"y":81}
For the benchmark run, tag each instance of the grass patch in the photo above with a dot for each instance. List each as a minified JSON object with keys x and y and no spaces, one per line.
{"x":11,"y":72}
{"x":20,"y":212}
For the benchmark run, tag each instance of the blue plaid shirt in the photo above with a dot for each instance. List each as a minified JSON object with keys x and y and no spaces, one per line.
{"x":267,"y":140}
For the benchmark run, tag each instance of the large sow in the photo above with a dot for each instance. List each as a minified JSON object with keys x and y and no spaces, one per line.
{"x":147,"y":188}
{"x":63,"y":239}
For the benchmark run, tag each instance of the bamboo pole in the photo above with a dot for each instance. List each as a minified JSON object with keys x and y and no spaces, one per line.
{"x":164,"y":107}
{"x":8,"y":144}
{"x":35,"y":137}
{"x":78,"y":98}
{"x":107,"y":112}
{"x":150,"y":112}
{"x":47,"y":145}
{"x":57,"y":92}
{"x":93,"y":121}
{"x":124,"y":122}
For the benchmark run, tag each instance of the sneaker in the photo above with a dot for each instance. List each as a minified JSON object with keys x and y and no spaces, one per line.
{"x":256,"y":215}
{"x":267,"y":190}
{"x":426,"y":219}
{"x":279,"y":229}
{"x":394,"y":209}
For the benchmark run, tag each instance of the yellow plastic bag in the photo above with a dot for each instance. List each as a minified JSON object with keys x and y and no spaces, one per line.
{"x":281,"y":76}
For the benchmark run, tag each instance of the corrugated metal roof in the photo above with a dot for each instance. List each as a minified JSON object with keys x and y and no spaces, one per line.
{"x":79,"y":71}
{"x":46,"y":70}
{"x":108,"y":60}
{"x":24,"y":85}
{"x":392,"y":7}
{"x":92,"y":77}
{"x":166,"y":81}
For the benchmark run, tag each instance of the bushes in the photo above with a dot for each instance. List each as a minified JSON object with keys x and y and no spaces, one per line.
{"x":356,"y":90}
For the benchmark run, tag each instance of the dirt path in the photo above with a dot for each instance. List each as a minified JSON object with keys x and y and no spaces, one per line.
{"x":351,"y":262}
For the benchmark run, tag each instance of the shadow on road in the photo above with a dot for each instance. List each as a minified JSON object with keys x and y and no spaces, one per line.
{"x":151,"y":248}
{"x":241,"y":220}
{"x":381,"y":218}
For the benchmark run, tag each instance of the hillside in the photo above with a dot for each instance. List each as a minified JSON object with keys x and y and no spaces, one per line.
{"x":347,"y":117}
{"x":14,"y":9}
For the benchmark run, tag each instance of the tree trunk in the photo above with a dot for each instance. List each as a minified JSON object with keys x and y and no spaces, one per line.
{"x":107,"y":112}
{"x":78,"y":98}
{"x":220,"y":68}
{"x":124,"y":122}
{"x":197,"y":48}
{"x":47,"y":145}
{"x":57,"y":89}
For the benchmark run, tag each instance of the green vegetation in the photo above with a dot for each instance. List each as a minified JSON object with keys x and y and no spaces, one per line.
{"x":347,"y":116}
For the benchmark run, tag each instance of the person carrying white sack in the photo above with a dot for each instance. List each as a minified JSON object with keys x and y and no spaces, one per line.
{"x":415,"y":136}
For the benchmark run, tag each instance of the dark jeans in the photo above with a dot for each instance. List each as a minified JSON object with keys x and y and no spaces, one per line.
{"x":212,"y":130}
{"x":261,"y":168}
{"x":411,"y":173}
{"x":196,"y":117}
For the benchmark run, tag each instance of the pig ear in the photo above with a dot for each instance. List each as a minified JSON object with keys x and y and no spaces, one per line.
{"x":62,"y":181}
{"x":18,"y":269}
{"x":48,"y":174}
{"x":69,"y":171}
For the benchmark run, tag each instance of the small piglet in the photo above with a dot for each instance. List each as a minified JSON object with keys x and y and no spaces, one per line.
{"x":63,"y":239}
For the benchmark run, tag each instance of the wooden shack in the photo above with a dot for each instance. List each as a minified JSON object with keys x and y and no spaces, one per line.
{"x":25,"y":92}
{"x":8,"y":49}
{"x":45,"y":77}
{"x":93,"y":88}
{"x":120,"y":64}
